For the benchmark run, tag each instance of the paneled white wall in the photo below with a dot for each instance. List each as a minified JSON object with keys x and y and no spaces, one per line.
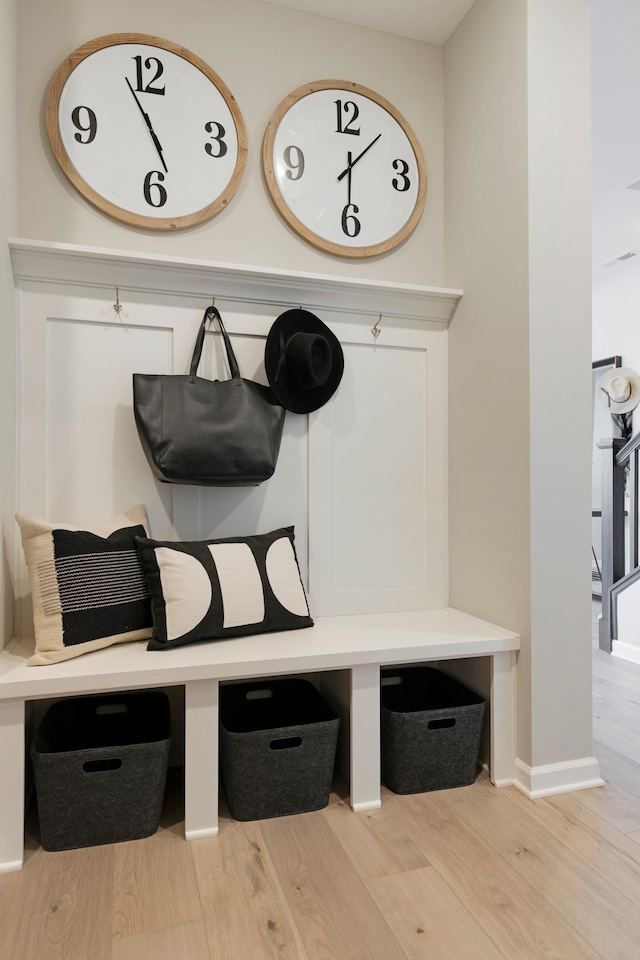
{"x":377,"y":492}
{"x":362,"y":479}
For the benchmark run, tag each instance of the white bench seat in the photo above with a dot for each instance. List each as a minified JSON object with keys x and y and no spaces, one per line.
{"x":358,"y":645}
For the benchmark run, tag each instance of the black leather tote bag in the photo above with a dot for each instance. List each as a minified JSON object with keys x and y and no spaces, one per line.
{"x":214,"y":433}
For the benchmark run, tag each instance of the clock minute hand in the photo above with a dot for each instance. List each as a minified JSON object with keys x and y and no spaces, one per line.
{"x":359,"y":157}
{"x":147,"y":120}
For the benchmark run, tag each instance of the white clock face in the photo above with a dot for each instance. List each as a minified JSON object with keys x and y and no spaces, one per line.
{"x":345,"y":173}
{"x":150,"y":133}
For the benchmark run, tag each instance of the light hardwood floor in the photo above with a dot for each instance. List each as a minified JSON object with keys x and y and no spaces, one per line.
{"x":468,"y":874}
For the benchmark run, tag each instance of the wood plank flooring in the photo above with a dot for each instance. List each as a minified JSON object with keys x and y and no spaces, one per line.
{"x":468,"y":874}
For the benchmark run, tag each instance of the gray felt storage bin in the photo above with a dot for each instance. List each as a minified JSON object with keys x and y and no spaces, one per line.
{"x":277,"y":748}
{"x":100,"y":768}
{"x":430,"y":730}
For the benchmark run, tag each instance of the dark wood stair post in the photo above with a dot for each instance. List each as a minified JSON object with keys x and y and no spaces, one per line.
{"x":613,"y":566}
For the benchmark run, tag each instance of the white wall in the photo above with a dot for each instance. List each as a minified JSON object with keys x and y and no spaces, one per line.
{"x":616,"y":295}
{"x":518,"y":242}
{"x":8,"y":195}
{"x":560,"y":353}
{"x":615,"y":88}
{"x":486,"y":254}
{"x":262,"y":52}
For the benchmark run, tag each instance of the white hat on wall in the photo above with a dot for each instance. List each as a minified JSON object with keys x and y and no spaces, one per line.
{"x":619,"y":390}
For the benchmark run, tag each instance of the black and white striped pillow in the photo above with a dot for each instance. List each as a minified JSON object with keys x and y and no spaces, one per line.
{"x":212,"y":589}
{"x":87,"y":586}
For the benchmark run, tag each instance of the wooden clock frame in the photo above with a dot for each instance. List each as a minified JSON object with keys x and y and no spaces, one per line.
{"x":96,"y":199}
{"x":279,"y":201}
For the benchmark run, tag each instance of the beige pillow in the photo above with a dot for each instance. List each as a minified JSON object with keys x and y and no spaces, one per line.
{"x":87,"y":586}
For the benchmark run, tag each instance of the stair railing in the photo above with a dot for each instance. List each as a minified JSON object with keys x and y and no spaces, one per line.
{"x":619,"y":471}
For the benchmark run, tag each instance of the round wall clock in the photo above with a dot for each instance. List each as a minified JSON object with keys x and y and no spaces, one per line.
{"x":344,"y":169}
{"x":146,"y":131}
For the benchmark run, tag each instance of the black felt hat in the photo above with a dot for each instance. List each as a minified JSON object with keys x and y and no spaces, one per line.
{"x":303,"y":361}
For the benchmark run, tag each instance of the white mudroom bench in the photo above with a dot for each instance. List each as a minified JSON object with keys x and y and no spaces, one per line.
{"x":350,"y":648}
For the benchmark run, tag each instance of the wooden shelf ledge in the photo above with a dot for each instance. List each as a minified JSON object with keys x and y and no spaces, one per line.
{"x":96,"y":266}
{"x":332,"y":643}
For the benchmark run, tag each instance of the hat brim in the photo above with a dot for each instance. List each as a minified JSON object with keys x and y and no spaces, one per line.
{"x":296,"y":400}
{"x":603,"y":385}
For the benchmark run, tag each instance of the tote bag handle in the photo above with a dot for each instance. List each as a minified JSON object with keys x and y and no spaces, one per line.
{"x":209,"y":314}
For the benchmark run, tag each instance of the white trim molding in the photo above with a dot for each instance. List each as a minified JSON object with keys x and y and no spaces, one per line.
{"x":96,"y":266}
{"x":625,"y":651}
{"x":552,"y":778}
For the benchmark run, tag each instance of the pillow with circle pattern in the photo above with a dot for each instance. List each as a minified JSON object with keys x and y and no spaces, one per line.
{"x":213,"y":589}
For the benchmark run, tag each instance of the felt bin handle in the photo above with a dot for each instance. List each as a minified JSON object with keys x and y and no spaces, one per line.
{"x":285,"y":743}
{"x":441,"y":724}
{"x":97,"y":766}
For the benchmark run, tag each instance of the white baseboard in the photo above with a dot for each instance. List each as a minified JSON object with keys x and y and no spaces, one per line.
{"x":549,"y":779}
{"x":505,"y":782}
{"x":366,"y":805}
{"x":200,"y":834}
{"x":626,"y":651}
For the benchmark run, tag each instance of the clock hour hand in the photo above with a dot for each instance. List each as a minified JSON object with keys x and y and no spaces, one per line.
{"x":349,"y":165}
{"x":157,"y":143}
{"x":352,"y":163}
